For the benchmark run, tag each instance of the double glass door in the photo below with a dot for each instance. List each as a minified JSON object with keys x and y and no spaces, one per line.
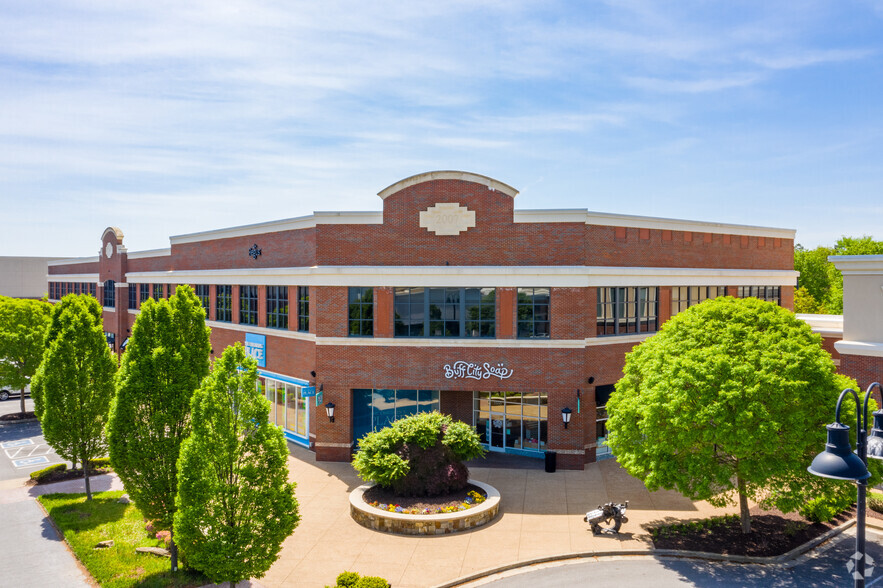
{"x":511,"y":420}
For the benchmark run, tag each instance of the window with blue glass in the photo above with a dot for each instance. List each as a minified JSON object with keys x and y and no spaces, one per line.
{"x":376,"y":409}
{"x":144,"y":292}
{"x":445,"y":312}
{"x":623,"y":311}
{"x":361,"y":312}
{"x":224,"y":303}
{"x":109,"y":294}
{"x":159,"y":291}
{"x":133,"y":297}
{"x":303,"y":308}
{"x":277,"y":307}
{"x":202,"y":292}
{"x":533,"y":313}
{"x":248,"y":305}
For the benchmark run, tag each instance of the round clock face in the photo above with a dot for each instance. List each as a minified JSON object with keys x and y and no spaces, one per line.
{"x":108,"y":250}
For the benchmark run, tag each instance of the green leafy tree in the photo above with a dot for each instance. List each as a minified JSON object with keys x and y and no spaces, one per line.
{"x":76,"y":382}
{"x":419,"y":455}
{"x":23,"y":325}
{"x":726,"y":403}
{"x":165,"y":361}
{"x":821,"y":284}
{"x":234,"y":504}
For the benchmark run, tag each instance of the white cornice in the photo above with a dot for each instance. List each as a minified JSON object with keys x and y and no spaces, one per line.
{"x":288,"y":224}
{"x":148,"y":253}
{"x":72,"y":260}
{"x":448,"y":175}
{"x":473,"y":276}
{"x":858,"y":265}
{"x":575,"y":215}
{"x":866,"y":348}
{"x":218,"y":325}
{"x":826,"y":325}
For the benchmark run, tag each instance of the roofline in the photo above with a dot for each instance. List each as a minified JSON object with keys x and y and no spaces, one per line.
{"x":491,"y":183}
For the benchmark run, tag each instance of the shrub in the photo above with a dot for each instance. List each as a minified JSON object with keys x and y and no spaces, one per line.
{"x":875,"y":502}
{"x":347,"y":579}
{"x":420,"y":455}
{"x":825,"y":508}
{"x":46,"y":473}
{"x":372,"y":582}
{"x":100,"y":462}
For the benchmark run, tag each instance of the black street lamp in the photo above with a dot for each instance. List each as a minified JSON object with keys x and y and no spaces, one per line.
{"x":838,"y":462}
{"x":329,"y":410}
{"x":565,"y":415}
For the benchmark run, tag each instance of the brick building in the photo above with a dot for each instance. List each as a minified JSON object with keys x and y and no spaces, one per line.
{"x":448,"y":299}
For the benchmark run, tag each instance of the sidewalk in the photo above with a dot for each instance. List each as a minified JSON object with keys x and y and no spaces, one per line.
{"x":541,"y":515}
{"x":33,"y":554}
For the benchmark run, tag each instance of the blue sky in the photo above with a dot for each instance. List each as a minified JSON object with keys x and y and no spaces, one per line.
{"x":165,"y":118}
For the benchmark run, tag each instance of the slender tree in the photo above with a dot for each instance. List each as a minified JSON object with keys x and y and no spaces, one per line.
{"x":23,"y":325}
{"x":726,"y":403}
{"x":165,"y":361}
{"x":75,"y":380}
{"x":235,"y":505}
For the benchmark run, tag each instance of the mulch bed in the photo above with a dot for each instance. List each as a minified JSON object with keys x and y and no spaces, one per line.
{"x":433,"y":503}
{"x":69,"y":475}
{"x":17,"y":416}
{"x":772,"y":533}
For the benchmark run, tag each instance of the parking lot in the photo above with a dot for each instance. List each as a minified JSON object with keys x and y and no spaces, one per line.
{"x":22,"y":447}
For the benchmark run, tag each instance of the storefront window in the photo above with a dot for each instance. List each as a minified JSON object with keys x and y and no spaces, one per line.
{"x":289,"y":410}
{"x":376,"y":409}
{"x":512,"y":421}
{"x":602,"y":395}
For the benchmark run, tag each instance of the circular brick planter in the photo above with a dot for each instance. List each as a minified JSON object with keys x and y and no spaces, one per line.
{"x":436,"y":524}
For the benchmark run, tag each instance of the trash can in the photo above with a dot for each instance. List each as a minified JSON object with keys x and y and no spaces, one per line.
{"x":551,"y":461}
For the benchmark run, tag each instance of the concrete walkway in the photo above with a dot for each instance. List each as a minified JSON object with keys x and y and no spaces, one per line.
{"x":32,"y":553}
{"x":541,"y":515}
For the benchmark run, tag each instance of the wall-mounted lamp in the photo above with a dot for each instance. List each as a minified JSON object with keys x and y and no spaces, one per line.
{"x":329,"y":410}
{"x":565,"y":415}
{"x":591,"y":380}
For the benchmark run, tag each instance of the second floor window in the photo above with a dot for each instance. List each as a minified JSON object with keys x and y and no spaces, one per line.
{"x":768,"y":293}
{"x":533,"y":313}
{"x":683,"y":297}
{"x":248,"y":305}
{"x":203,"y":294}
{"x":93,"y":289}
{"x":303,"y":308}
{"x":361,"y":312}
{"x":133,"y":296}
{"x":110,"y":294}
{"x":224,"y":303}
{"x":622,"y":311}
{"x":158,"y":291}
{"x":144,"y":292}
{"x":277,"y":307}
{"x":445,"y":312}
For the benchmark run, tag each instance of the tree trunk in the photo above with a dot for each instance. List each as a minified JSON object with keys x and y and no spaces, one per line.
{"x":86,"y":477}
{"x":743,"y":506}
{"x":22,"y":400}
{"x":232,"y":584}
{"x":173,"y":551}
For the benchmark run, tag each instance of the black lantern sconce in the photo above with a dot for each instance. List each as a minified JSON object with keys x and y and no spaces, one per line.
{"x":565,"y":415}
{"x":329,"y":410}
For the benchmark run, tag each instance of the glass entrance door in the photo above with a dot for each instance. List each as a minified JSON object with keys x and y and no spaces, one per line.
{"x":497,"y":426}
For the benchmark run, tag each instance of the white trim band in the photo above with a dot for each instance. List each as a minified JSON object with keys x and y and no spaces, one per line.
{"x":865,"y":348}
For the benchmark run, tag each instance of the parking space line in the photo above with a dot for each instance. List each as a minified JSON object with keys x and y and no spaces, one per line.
{"x":28,"y":451}
{"x":19,"y":443}
{"x":30,"y":461}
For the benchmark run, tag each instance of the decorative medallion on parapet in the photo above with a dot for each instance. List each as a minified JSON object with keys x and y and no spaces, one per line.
{"x":447,"y":218}
{"x":254,"y":251}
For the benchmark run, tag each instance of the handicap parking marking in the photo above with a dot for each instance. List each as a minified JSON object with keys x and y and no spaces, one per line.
{"x":28,"y":451}
{"x":30,"y":461}
{"x":19,"y":443}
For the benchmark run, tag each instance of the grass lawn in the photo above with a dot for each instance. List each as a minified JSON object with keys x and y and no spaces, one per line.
{"x":84,"y":524}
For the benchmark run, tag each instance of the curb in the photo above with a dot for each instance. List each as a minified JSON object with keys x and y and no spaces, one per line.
{"x":86,"y":575}
{"x":742,"y":559}
{"x":16,"y":422}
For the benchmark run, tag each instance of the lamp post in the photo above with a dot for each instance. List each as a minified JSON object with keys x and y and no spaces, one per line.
{"x":838,"y":462}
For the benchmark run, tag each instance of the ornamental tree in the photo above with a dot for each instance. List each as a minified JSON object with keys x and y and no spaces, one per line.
{"x":234,"y":503}
{"x":164,"y":363}
{"x":727,"y":402}
{"x":419,"y":455}
{"x":23,"y":325}
{"x":75,"y":382}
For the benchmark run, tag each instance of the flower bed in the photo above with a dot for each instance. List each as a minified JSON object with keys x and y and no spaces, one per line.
{"x":459,"y":516}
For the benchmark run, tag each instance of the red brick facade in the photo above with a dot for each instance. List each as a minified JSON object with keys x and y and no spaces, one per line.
{"x":501,"y":250}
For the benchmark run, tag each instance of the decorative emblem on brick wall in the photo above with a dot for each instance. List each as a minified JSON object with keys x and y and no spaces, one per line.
{"x":447,"y":218}
{"x":254,"y":251}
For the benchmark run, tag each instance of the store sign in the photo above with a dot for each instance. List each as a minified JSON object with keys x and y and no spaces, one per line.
{"x":256,"y":346}
{"x":476,"y":371}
